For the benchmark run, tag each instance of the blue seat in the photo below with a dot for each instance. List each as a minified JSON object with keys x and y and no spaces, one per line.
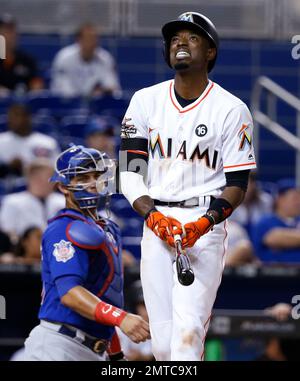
{"x":3,"y":123}
{"x":109,"y":105}
{"x":55,"y":105}
{"x":45,"y":124}
{"x":72,"y":129}
{"x":133,"y":227}
{"x":5,"y":102}
{"x":121,"y":207}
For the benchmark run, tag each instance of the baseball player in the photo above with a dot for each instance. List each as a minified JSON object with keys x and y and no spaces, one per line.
{"x":185,"y":158}
{"x":81,"y":270}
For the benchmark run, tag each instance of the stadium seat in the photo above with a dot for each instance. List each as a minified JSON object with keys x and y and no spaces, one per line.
{"x":5,"y":102}
{"x":3,"y":123}
{"x":109,"y":105}
{"x":53,"y":104}
{"x":72,"y":129}
{"x":45,"y":124}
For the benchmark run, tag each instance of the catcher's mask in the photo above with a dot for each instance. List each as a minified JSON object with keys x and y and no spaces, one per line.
{"x":78,"y":160}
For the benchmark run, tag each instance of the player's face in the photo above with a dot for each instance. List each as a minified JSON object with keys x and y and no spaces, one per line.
{"x":88,"y":180}
{"x":189,"y":49}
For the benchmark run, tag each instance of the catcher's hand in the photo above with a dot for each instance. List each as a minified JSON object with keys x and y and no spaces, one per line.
{"x":194,"y":230}
{"x":163,"y":226}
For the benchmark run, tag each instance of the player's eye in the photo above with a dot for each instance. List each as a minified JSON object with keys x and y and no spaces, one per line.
{"x":193,"y":38}
{"x":174,"y":39}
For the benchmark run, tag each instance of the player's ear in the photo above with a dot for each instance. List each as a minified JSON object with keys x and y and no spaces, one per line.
{"x":211,"y":53}
{"x":62,"y":189}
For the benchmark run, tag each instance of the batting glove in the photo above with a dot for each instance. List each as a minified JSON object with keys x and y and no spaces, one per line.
{"x":194,"y":230}
{"x":163,"y":226}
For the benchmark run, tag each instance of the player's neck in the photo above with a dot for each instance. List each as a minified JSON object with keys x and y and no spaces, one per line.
{"x":190,"y":86}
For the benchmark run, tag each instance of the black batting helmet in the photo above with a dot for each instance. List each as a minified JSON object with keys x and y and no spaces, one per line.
{"x":192,"y":21}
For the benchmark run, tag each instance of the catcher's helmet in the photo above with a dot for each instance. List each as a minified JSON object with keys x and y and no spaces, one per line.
{"x":192,"y":21}
{"x":79,"y":160}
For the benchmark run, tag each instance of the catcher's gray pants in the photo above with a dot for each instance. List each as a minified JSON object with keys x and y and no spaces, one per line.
{"x":46,"y":344}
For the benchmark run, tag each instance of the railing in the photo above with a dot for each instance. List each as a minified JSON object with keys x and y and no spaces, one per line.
{"x":268,"y":120}
{"x":274,"y":19}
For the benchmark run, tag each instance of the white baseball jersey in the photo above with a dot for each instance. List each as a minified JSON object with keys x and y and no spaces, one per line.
{"x":27,"y":148}
{"x":190,"y":148}
{"x":22,"y":210}
{"x":72,"y":76}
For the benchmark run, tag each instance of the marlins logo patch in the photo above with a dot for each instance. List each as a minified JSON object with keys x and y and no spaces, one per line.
{"x":245,"y":137}
{"x":63,"y":251}
{"x":186,"y":17}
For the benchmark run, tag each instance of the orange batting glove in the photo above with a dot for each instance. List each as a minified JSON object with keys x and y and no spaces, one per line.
{"x":194,"y":230}
{"x":163,"y":226}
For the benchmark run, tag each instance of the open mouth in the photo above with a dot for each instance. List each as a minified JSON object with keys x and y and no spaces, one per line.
{"x":182,"y":54}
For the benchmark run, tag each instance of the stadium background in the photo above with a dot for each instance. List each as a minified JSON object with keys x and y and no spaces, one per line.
{"x":255,"y":41}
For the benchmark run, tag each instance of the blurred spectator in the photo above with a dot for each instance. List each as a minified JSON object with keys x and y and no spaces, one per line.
{"x":6,"y":247}
{"x":280,"y":349}
{"x":27,"y":250}
{"x":240,"y":249}
{"x":19,"y":146}
{"x":131,"y":350}
{"x":99,"y":134}
{"x":18,"y":71}
{"x":277,"y":236}
{"x":256,"y":204}
{"x":83,"y":68}
{"x":280,"y":311}
{"x":33,"y":207}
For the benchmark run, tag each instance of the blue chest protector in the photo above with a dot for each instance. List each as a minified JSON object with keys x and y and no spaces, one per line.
{"x":76,"y":245}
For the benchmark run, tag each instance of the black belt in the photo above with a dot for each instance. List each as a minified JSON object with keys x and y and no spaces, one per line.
{"x":96,"y":345}
{"x":190,"y":203}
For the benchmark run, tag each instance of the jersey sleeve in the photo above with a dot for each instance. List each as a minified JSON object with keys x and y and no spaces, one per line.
{"x":237,"y":140}
{"x":63,"y":257}
{"x":134,"y":124}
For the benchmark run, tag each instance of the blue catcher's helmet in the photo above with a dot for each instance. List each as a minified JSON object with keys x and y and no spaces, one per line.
{"x":78,"y":160}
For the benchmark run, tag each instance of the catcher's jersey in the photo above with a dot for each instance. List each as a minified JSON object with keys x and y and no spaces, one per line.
{"x":190,"y":148}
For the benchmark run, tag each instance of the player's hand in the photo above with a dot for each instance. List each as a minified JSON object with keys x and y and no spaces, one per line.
{"x":194,"y":230}
{"x":163,"y":226}
{"x":136,"y":328}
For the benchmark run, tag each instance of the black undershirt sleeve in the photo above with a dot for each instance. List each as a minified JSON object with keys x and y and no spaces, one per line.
{"x":238,"y":179}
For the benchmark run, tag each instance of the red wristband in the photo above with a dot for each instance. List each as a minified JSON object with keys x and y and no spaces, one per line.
{"x":109,"y":315}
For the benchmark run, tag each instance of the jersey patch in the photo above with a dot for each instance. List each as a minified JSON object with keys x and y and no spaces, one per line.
{"x":201,"y":130}
{"x":245,"y":137}
{"x":63,"y":251}
{"x":127,"y":128}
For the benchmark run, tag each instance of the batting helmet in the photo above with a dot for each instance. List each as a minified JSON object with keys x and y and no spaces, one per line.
{"x":79,"y":160}
{"x":192,"y":21}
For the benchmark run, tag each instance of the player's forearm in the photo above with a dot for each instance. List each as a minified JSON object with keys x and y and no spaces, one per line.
{"x":143,"y":205}
{"x":222,"y":207}
{"x":81,"y":301}
{"x":234,"y":195}
{"x":136,"y":192}
{"x":282,"y":238}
